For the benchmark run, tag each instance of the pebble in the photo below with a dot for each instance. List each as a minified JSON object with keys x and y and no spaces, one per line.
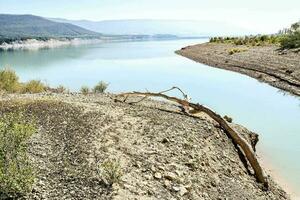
{"x":170,"y":175}
{"x":153,"y":169}
{"x":182,"y":191}
{"x":165,"y":140}
{"x":176,"y":188}
{"x":157,"y":175}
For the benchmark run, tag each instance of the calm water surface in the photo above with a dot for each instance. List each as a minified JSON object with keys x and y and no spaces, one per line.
{"x":153,"y":65}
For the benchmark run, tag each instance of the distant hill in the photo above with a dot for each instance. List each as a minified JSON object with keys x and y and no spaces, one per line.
{"x":22,"y":26}
{"x":185,"y":28}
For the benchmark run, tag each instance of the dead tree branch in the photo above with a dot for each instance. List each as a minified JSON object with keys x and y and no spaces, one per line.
{"x":192,"y":108}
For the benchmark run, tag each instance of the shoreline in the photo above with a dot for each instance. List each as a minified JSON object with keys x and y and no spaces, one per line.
{"x":274,"y":173}
{"x":264,"y":63}
{"x":172,"y":154}
{"x":35,"y":44}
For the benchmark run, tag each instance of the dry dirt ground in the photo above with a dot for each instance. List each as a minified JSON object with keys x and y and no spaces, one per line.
{"x":159,"y":154}
{"x":265,"y":63}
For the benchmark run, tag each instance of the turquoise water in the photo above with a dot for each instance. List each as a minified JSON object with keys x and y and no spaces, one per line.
{"x":153,"y":65}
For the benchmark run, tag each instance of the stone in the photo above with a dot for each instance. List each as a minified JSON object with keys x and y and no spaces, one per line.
{"x":176,"y":188}
{"x":165,"y":140}
{"x":153,"y":169}
{"x":182,"y":191}
{"x":170,"y":176}
{"x":157,"y":175}
{"x":167,"y":183}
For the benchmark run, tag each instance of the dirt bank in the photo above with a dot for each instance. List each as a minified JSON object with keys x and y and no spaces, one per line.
{"x":265,"y":63}
{"x":162,"y":155}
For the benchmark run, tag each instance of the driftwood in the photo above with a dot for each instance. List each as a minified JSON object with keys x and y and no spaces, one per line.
{"x":192,"y":108}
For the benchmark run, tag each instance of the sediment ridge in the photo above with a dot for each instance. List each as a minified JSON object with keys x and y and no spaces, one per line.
{"x":280,"y":69}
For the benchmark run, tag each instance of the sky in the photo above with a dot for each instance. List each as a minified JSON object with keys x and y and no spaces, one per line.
{"x":265,"y":16}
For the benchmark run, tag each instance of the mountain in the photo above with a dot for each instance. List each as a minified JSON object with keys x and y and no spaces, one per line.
{"x":22,"y":26}
{"x":159,"y":27}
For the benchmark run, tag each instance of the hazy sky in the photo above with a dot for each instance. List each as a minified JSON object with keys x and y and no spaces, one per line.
{"x":259,"y":15}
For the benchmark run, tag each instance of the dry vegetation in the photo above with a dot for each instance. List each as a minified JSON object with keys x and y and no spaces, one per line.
{"x":9,"y":82}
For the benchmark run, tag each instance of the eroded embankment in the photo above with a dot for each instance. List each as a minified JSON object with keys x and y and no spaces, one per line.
{"x":265,"y":63}
{"x":162,"y":155}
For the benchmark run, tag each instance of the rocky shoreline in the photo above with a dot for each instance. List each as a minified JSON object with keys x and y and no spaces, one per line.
{"x":162,"y":154}
{"x":35,"y":44}
{"x":280,"y":69}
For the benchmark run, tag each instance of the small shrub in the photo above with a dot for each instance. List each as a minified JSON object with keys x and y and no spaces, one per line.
{"x":62,"y":89}
{"x":233,"y":51}
{"x":9,"y":81}
{"x":100,"y":87}
{"x":33,"y":86}
{"x":85,"y":90}
{"x":16,"y":174}
{"x":110,"y":172}
{"x":228,"y":119}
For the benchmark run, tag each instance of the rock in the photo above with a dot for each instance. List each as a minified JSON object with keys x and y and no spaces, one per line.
{"x":176,"y":188}
{"x":167,"y":183}
{"x":153,"y":169}
{"x":180,"y":189}
{"x":183,"y":191}
{"x":157,"y":175}
{"x":148,"y":177}
{"x":170,"y":176}
{"x":179,"y":173}
{"x":165,"y":140}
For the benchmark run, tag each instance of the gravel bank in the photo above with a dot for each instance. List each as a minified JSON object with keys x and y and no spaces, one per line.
{"x":265,"y":63}
{"x":162,"y":154}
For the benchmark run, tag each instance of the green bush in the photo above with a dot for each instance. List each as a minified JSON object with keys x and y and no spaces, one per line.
{"x":291,"y":41}
{"x":16,"y":174}
{"x":257,"y":40}
{"x":33,"y":86}
{"x":9,"y":81}
{"x":85,"y":90}
{"x":100,"y":87}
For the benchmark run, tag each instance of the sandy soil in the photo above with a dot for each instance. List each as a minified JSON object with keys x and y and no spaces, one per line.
{"x":265,"y":63}
{"x":162,"y":154}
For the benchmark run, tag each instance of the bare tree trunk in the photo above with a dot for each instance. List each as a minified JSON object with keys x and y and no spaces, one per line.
{"x":191,"y":108}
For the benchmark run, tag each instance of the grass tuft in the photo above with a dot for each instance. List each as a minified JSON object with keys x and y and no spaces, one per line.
{"x":33,"y":86}
{"x":110,"y":171}
{"x":235,"y":50}
{"x":85,"y":90}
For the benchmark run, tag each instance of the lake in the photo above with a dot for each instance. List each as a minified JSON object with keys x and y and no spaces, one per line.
{"x":153,"y":65}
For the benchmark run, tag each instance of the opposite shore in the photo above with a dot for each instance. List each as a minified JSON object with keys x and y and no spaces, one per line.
{"x":280,"y":69}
